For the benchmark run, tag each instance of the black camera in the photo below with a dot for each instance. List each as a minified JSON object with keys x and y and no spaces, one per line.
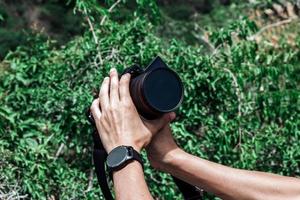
{"x":154,"y":90}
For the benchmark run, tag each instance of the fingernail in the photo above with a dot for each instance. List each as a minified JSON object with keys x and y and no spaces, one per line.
{"x":127,"y":75}
{"x":112,"y":70}
{"x":106,"y":79}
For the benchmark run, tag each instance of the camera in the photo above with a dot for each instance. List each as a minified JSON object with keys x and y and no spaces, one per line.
{"x":154,"y":90}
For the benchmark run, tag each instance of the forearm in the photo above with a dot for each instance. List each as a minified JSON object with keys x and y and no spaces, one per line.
{"x":129,"y":183}
{"x":229,"y":183}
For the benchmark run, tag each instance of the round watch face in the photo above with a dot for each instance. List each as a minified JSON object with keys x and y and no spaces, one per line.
{"x":117,"y":156}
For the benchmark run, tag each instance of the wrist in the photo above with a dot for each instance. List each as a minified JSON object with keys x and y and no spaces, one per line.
{"x":133,"y":165}
{"x":170,"y":159}
{"x":136,"y":147}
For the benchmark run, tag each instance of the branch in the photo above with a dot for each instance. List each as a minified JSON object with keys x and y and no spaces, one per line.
{"x":99,"y":56}
{"x":10,"y":191}
{"x":205,"y":40}
{"x":280,"y":23}
{"x":90,"y":25}
{"x":94,"y":36}
{"x":60,"y":149}
{"x":237,"y":89}
{"x":109,"y":10}
{"x":90,"y":184}
{"x":239,"y":99}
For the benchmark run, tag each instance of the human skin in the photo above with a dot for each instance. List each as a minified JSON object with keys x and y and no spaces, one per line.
{"x":118,"y":123}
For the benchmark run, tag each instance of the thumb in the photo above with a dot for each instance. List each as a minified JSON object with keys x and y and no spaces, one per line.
{"x":157,"y":124}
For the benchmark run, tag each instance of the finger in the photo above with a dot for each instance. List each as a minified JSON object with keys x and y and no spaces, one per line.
{"x":103,"y":94}
{"x":114,"y":86}
{"x":124,"y":88}
{"x":95,"y":109}
{"x":157,"y":124}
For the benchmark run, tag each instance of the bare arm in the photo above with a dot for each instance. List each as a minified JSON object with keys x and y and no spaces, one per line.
{"x":118,"y":123}
{"x":225,"y":182}
{"x":129,"y":183}
{"x":230,"y":183}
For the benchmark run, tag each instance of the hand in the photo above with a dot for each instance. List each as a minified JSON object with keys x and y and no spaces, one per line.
{"x":118,"y":122}
{"x":162,"y":148}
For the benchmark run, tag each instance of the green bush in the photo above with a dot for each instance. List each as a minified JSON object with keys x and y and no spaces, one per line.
{"x":241,"y":104}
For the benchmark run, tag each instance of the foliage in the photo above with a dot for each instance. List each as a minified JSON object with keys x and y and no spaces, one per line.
{"x":241,"y":105}
{"x":51,"y":18}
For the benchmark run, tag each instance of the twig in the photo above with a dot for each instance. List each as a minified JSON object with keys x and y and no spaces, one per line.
{"x":90,"y":184}
{"x":94,"y":36}
{"x":10,"y":191}
{"x":154,"y":179}
{"x":205,"y":40}
{"x":216,"y":50}
{"x":90,"y":25}
{"x":99,"y":56}
{"x":238,"y":94}
{"x":92,"y":28}
{"x":60,"y":149}
{"x":237,"y":89}
{"x":280,"y":23}
{"x":109,"y":10}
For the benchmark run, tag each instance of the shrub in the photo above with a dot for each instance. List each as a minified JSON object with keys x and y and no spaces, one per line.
{"x":241,"y":104}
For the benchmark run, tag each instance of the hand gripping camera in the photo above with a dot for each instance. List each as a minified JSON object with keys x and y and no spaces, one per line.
{"x":154,"y":90}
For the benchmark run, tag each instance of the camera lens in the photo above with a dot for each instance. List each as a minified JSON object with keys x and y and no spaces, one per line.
{"x":156,"y":92}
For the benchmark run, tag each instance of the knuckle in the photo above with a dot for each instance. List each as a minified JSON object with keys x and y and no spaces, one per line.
{"x":102,"y":120}
{"x":103,"y":115}
{"x":94,"y":102}
{"x":93,"y":106}
{"x":96,"y":118}
{"x":147,"y":136}
{"x":127,"y":104}
{"x":112,"y":108}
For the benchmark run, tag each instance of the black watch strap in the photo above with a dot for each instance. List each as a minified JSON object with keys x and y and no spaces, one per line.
{"x":137,"y":156}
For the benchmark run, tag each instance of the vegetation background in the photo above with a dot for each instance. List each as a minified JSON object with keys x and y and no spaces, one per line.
{"x":239,"y":60}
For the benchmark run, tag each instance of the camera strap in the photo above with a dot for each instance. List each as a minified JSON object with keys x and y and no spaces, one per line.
{"x":99,"y":157}
{"x":189,"y":192}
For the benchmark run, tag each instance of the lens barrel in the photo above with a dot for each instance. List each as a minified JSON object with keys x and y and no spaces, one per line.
{"x":156,"y":91}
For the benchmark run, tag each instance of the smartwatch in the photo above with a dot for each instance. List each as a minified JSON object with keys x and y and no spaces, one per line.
{"x":120,"y":156}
